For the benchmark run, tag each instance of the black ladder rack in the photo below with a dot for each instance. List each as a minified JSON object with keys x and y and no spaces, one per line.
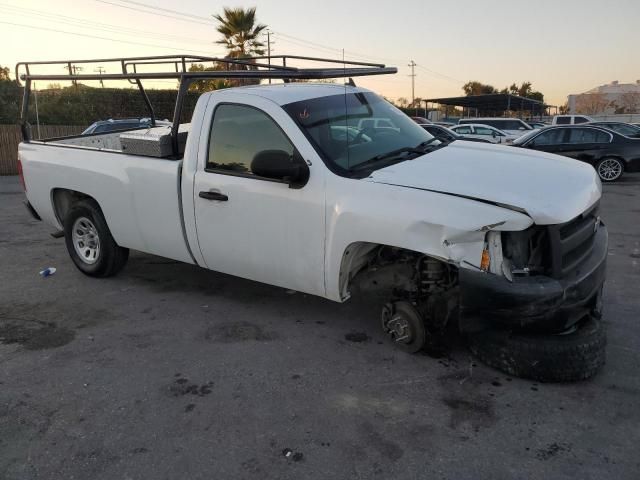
{"x":238,"y":68}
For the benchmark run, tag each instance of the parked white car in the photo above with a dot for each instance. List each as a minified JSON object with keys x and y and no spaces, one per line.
{"x":262,"y":185}
{"x":484,"y":132}
{"x":512,"y":126}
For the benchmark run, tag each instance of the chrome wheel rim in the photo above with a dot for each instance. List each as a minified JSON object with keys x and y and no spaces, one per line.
{"x":609,"y":169}
{"x":86,"y":241}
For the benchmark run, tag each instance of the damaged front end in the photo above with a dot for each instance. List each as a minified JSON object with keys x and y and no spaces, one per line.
{"x":550,"y":278}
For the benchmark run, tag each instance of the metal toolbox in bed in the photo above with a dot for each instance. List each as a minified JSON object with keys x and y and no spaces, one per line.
{"x":153,"y":142}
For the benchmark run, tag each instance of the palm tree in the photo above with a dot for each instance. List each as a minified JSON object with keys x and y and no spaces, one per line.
{"x":240,"y":32}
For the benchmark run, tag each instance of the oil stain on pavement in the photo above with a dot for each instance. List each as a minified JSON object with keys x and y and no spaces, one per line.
{"x":33,"y":334}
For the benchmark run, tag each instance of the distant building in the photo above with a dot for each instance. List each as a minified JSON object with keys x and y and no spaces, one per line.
{"x":613,"y":98}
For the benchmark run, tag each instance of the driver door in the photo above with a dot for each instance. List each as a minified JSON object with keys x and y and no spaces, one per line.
{"x":251,"y":226}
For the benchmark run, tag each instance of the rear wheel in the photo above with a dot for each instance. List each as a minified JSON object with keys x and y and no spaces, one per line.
{"x":610,"y":169}
{"x":576,"y":354}
{"x":89,"y":241}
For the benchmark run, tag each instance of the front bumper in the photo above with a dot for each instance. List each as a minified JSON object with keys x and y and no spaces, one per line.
{"x":536,"y":303}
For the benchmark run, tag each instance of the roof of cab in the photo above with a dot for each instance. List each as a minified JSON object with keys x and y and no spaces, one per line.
{"x":285,"y":93}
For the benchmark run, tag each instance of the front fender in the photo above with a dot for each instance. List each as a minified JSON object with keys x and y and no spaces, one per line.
{"x":443,"y":226}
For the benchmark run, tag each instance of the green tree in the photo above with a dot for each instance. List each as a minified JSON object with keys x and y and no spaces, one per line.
{"x":240,"y":32}
{"x":524,"y":90}
{"x":201,"y":86}
{"x":10,"y":94}
{"x":474,"y":87}
{"x":4,"y":73}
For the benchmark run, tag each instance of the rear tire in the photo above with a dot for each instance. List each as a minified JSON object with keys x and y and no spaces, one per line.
{"x":576,"y":355}
{"x":610,"y":169}
{"x":89,"y":241}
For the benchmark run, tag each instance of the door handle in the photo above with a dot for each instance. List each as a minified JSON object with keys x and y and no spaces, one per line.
{"x":221,"y":197}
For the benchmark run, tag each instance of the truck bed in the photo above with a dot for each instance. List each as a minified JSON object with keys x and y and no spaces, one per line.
{"x":139,"y":196}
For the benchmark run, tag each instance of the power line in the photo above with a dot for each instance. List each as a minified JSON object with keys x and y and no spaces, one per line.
{"x":175,"y":17}
{"x":84,"y":23}
{"x":445,"y":77}
{"x":188,"y":17}
{"x":102,"y":38}
{"x":197,"y":17}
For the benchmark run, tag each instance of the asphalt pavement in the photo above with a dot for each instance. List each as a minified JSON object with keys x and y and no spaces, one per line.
{"x":169,"y":371}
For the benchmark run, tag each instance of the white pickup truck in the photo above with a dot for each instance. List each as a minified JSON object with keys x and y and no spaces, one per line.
{"x":287,"y":185}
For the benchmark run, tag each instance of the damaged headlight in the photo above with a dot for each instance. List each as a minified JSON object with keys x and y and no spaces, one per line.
{"x":524,"y":251}
{"x":492,"y":258}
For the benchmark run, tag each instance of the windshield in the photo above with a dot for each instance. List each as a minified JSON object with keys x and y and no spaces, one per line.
{"x":523,"y":139}
{"x":621,"y":128}
{"x":357,"y":130}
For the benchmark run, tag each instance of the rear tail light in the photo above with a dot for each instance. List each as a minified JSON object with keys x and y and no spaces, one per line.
{"x":21,"y":175}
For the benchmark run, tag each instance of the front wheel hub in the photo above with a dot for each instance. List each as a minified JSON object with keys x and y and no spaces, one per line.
{"x":404,"y":326}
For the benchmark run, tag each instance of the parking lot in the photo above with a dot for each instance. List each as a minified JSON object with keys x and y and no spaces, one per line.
{"x":170,"y":371}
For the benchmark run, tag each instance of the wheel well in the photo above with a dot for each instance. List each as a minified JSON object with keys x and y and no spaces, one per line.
{"x":362,"y":257}
{"x":63,"y":199}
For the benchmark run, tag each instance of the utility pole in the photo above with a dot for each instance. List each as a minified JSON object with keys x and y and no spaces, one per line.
{"x":268,"y":34}
{"x":100,"y":70}
{"x":413,"y":66}
{"x":73,"y":69}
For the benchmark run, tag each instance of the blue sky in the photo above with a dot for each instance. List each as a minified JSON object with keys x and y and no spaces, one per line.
{"x":562,"y":47}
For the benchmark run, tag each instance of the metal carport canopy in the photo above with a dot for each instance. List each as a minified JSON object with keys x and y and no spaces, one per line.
{"x":493,"y":101}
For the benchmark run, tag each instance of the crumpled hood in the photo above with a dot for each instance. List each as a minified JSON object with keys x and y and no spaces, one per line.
{"x":550,"y":188}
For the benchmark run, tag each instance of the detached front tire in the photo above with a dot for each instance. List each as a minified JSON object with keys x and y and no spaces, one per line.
{"x":89,"y":241}
{"x":572,"y":356}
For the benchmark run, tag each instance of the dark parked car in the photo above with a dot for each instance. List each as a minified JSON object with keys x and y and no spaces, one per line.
{"x":421,"y":120}
{"x":446,"y":135}
{"x":537,"y":124}
{"x":610,"y":153}
{"x":626,"y":129}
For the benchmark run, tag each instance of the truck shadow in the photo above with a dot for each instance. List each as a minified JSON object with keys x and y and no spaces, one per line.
{"x":358,"y":319}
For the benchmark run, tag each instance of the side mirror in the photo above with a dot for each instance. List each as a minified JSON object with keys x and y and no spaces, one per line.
{"x":494,"y":134}
{"x":279,"y":165}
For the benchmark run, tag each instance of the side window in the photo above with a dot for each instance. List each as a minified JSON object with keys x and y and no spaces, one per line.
{"x":563,"y":121}
{"x":550,"y":137}
{"x":585,"y":135}
{"x":484,"y":131}
{"x":238,"y":133}
{"x":602,"y":137}
{"x":463,"y":130}
{"x":580,"y":120}
{"x":385,"y":124}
